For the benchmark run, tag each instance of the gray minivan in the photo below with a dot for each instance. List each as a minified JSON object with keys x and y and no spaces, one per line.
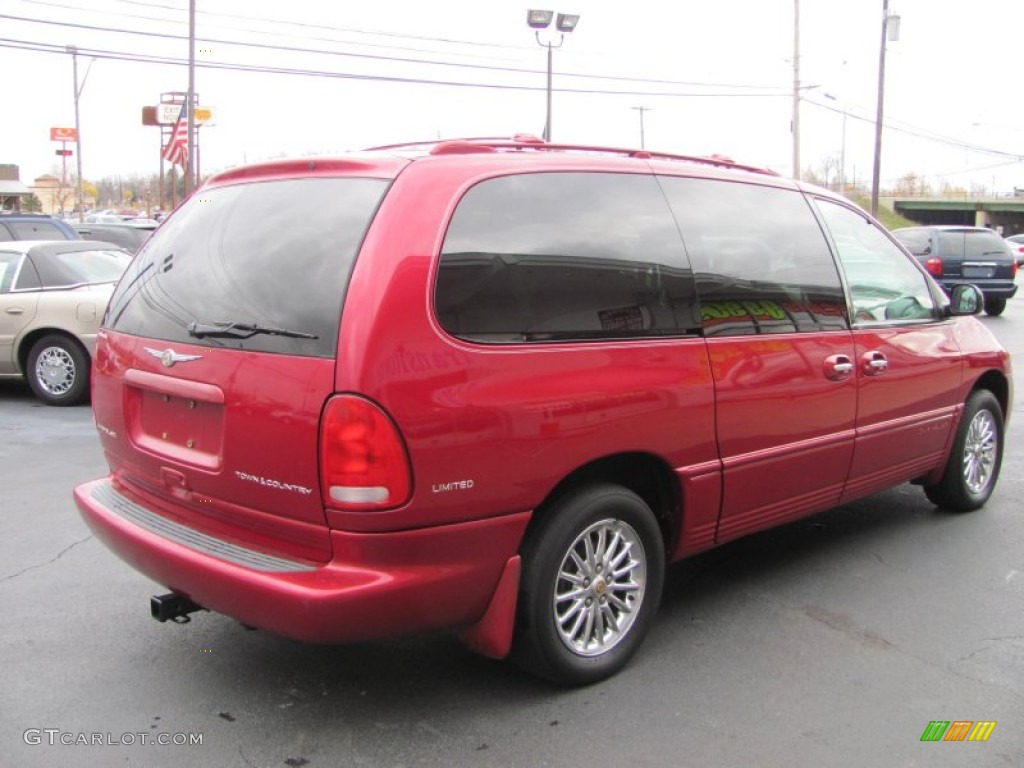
{"x":958,"y":254}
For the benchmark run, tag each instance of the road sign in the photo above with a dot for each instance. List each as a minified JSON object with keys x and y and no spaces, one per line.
{"x":63,"y":134}
{"x":167,"y":114}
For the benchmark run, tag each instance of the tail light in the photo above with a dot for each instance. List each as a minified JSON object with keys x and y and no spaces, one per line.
{"x":934,"y":266}
{"x":363,"y":461}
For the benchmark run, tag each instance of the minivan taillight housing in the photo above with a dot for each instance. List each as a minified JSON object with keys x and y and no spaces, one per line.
{"x":934,"y":266}
{"x":363,"y":461}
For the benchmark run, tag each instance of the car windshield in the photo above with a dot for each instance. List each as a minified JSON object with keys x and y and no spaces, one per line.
{"x":68,"y":268}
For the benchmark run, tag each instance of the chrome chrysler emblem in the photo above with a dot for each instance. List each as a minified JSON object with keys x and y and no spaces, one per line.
{"x":169,"y":357}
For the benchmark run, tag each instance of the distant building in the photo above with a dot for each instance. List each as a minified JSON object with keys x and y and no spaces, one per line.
{"x":11,"y":188}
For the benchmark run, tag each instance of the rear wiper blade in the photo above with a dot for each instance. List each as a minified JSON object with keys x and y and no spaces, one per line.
{"x":225,"y":329}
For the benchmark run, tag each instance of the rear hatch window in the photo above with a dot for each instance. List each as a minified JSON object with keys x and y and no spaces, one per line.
{"x":975,"y":254}
{"x":256,"y":266}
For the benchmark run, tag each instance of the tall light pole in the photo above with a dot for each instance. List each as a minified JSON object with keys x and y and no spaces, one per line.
{"x":890,"y":31}
{"x":641,"y":110}
{"x":564,"y":23}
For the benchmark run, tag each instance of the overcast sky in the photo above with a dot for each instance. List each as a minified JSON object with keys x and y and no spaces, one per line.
{"x":312,"y":77}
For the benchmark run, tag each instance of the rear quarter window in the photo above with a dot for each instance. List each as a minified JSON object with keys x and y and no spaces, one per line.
{"x":917,"y":241}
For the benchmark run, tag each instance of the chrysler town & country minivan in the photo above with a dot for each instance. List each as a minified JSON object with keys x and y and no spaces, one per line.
{"x":496,"y":386}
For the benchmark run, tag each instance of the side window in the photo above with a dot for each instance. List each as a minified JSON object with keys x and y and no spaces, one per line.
{"x":761,"y":261}
{"x":557,"y":256}
{"x":885,"y":285}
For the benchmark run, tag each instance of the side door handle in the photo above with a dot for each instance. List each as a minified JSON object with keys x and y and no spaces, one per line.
{"x":873,"y":363}
{"x":14,"y":311}
{"x":838,"y":367}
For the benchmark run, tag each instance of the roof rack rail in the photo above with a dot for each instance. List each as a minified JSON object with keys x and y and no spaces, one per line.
{"x":522,"y":141}
{"x":430,"y":143}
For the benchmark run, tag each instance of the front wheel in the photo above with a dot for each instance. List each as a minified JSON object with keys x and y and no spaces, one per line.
{"x":58,"y":371}
{"x":593,"y":570}
{"x":973,"y":466}
{"x":994,"y":306}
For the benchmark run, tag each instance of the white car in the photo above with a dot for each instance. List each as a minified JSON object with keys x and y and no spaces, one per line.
{"x":53,"y":294}
{"x":1016,"y":243}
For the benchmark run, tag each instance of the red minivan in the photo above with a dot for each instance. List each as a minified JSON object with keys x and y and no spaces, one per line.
{"x":495,"y":386}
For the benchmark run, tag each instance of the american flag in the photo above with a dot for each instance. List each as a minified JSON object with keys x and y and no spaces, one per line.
{"x":176,"y":151}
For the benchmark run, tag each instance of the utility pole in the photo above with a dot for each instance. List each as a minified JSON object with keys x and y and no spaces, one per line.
{"x":78,"y":130}
{"x":641,"y":110}
{"x":190,"y":160}
{"x":890,"y":31}
{"x":796,"y":89}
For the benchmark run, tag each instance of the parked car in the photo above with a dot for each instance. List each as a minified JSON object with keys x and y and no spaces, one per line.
{"x":16,"y":225}
{"x":956,"y":254}
{"x":123,"y":234}
{"x":52,"y":296}
{"x":496,"y":386}
{"x":1016,"y":244}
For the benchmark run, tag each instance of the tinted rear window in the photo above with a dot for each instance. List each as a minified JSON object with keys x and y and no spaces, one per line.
{"x":971,"y":244}
{"x":38,"y":230}
{"x":276,"y":254}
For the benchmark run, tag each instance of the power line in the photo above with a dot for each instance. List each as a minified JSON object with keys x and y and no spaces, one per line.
{"x":397,"y":59}
{"x":921,"y":133}
{"x":264,"y":69}
{"x":278,"y":23}
{"x":762,"y":91}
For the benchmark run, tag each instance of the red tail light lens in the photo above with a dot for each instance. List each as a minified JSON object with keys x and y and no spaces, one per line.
{"x":363,"y":461}
{"x":934,"y":266}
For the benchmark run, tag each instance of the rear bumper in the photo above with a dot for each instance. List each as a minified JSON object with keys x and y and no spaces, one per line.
{"x":992,"y":289}
{"x":377,"y":585}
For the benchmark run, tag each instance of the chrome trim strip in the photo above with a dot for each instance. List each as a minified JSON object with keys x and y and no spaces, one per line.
{"x":113,"y":501}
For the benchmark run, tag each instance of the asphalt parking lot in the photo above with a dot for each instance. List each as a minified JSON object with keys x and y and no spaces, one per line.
{"x":833,"y":641}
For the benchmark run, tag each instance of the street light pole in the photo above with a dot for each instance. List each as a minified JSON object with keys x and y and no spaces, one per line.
{"x":565,"y":23}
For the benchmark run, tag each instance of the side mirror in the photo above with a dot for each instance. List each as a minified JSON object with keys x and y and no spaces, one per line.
{"x":966,"y":299}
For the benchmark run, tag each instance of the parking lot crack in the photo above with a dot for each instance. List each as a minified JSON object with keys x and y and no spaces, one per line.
{"x":51,"y":561}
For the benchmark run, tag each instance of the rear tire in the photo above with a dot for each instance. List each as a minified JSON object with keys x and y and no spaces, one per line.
{"x":994,"y":307}
{"x":58,"y":371}
{"x":973,"y":466}
{"x":593,"y":570}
